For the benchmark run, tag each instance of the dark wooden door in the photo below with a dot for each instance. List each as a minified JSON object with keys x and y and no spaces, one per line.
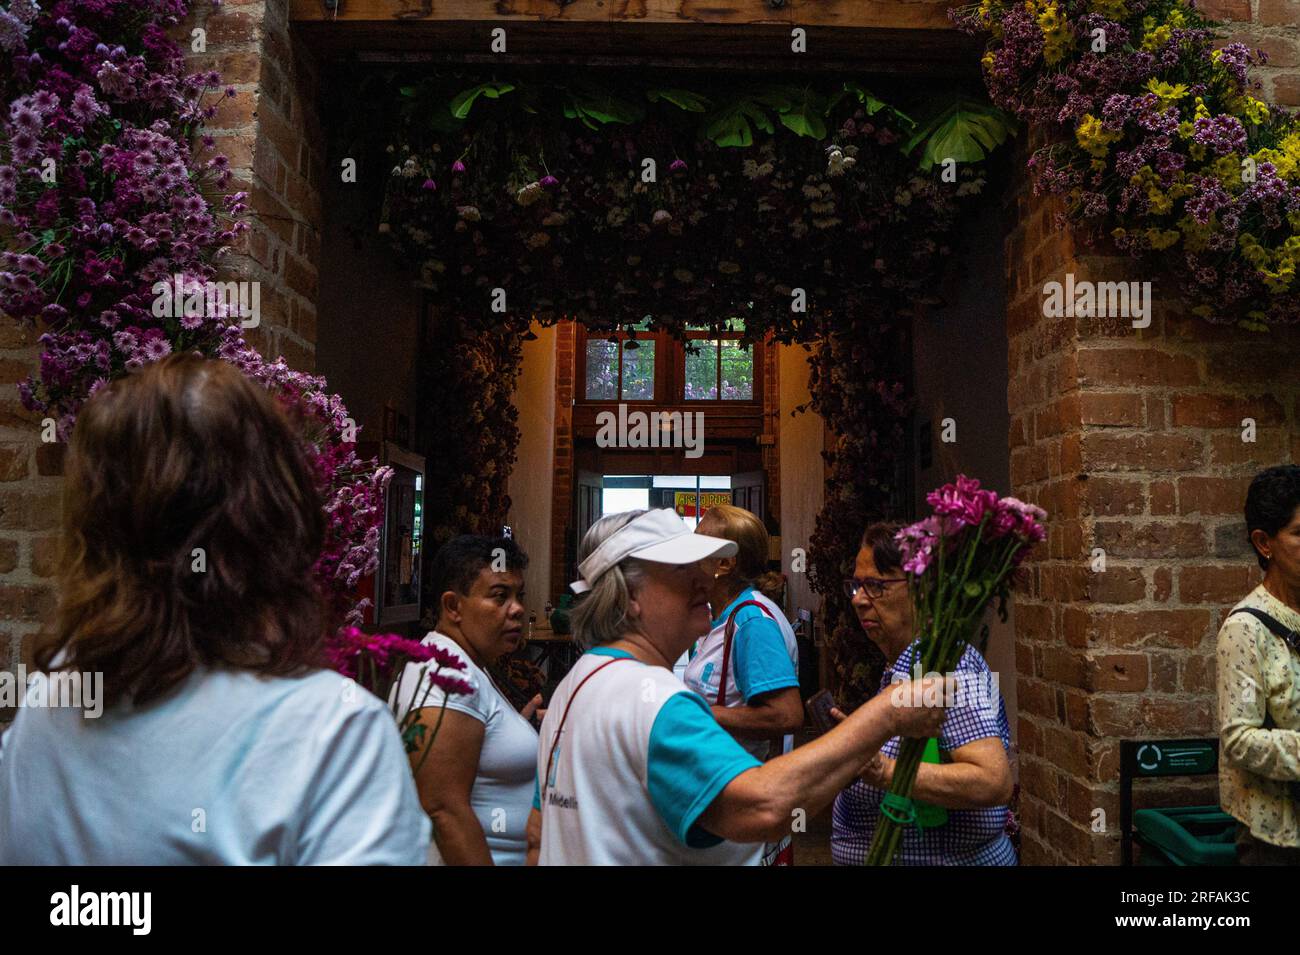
{"x":747,"y":492}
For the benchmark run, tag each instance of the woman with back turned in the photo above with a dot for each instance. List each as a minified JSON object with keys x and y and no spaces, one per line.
{"x":191,"y":522}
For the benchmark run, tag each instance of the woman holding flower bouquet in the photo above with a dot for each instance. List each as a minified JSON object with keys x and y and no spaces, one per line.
{"x":972,"y":784}
{"x":632,"y":768}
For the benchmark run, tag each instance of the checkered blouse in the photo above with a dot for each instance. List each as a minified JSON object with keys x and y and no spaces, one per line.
{"x":970,"y":836}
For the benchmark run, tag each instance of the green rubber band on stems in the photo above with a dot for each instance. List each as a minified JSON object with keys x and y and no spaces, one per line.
{"x":899,"y":809}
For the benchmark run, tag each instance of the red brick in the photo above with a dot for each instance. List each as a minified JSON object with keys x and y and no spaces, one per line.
{"x":8,"y":562}
{"x":1108,"y":451}
{"x":1286,"y":89}
{"x":1154,"y":539}
{"x":50,"y":456}
{"x":1163,"y":497}
{"x":45,"y":556}
{"x":1118,"y":585}
{"x":1198,"y":674}
{"x":1225,"y":9}
{"x":1225,"y":411}
{"x":1123,"y":410}
{"x":1268,"y":448}
{"x":1114,"y":497}
{"x":1225,"y":585}
{"x":1163,"y":584}
{"x":1136,"y":367}
{"x":1126,"y":672}
{"x":1153,"y":628}
{"x":31,"y":603}
{"x":1211,"y":495}
{"x":13,"y":461}
{"x":1163,"y":669}
{"x":231,"y":29}
{"x":1282,"y":13}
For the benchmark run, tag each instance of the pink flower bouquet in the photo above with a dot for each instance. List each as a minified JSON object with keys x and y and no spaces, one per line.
{"x":958,"y":560}
{"x":376,"y":662}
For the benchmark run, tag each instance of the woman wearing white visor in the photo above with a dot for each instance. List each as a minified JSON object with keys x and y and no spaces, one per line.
{"x":632,"y":767}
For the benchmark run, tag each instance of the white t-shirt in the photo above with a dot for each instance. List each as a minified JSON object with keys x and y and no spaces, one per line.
{"x":232,"y":768}
{"x":764,"y":658}
{"x":639,"y":759}
{"x":503,"y":785}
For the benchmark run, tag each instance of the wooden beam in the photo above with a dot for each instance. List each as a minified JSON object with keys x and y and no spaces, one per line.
{"x":860,"y":14}
{"x":874,"y":36}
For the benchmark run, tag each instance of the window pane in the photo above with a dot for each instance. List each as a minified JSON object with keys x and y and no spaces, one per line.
{"x":639,"y":372}
{"x":602,"y":369}
{"x":702,"y":372}
{"x":737,"y":372}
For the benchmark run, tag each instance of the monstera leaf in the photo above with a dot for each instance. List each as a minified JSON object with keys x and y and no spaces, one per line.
{"x":463,"y":102}
{"x":805,"y":114}
{"x":682,"y":99}
{"x":598,"y":107}
{"x":965,"y":131}
{"x":730,"y":125}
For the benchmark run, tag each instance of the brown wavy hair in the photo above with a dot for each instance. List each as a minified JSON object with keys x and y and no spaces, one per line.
{"x":191,"y":521}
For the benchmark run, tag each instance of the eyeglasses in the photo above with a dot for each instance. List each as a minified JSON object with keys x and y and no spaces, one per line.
{"x":874,"y":586}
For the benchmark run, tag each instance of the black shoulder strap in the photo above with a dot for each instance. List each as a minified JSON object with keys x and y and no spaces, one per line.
{"x":1276,"y":626}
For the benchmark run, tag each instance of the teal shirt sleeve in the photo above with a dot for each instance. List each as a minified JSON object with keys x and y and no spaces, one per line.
{"x":762,"y":662}
{"x":691,"y":760}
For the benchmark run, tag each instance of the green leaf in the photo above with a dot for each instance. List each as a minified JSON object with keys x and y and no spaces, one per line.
{"x":729,"y":128}
{"x":965,"y":131}
{"x":682,"y":99}
{"x":805,"y":116}
{"x":463,"y":102}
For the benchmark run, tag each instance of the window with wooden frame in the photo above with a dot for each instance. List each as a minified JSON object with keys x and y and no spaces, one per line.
{"x":635,"y":364}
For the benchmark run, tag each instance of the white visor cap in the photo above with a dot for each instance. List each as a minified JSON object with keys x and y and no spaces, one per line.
{"x":660,"y":537}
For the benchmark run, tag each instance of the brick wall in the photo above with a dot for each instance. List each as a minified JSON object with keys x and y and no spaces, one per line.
{"x":566,"y":336}
{"x":1132,"y":440}
{"x":271,"y":134}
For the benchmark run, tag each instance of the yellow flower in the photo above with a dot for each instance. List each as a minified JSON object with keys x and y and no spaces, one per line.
{"x":1166,"y":93}
{"x":987,"y":61}
{"x":1110,"y":9}
{"x":1093,"y":138}
{"x":1058,"y":38}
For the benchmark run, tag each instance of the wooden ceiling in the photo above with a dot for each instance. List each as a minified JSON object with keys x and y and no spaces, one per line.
{"x":876,"y":36}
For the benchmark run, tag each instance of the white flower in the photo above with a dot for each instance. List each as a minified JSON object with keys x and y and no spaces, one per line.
{"x":469,"y":213}
{"x":661,"y":216}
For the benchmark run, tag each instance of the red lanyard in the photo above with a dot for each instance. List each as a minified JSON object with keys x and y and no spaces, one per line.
{"x":555,"y":743}
{"x":730,"y":632}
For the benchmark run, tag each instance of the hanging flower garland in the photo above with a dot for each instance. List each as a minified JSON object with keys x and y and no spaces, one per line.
{"x":1160,"y":139}
{"x":102,"y":199}
{"x":563,"y":220}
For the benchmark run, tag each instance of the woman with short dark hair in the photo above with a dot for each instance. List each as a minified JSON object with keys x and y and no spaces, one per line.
{"x":1259,"y":681}
{"x":476,"y":780}
{"x":191,"y":521}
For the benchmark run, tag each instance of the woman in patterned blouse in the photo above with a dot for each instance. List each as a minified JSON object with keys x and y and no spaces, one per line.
{"x":973,"y":781}
{"x":1259,"y":682}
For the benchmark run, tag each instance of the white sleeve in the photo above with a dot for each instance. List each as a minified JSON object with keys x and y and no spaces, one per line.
{"x":361,"y":806}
